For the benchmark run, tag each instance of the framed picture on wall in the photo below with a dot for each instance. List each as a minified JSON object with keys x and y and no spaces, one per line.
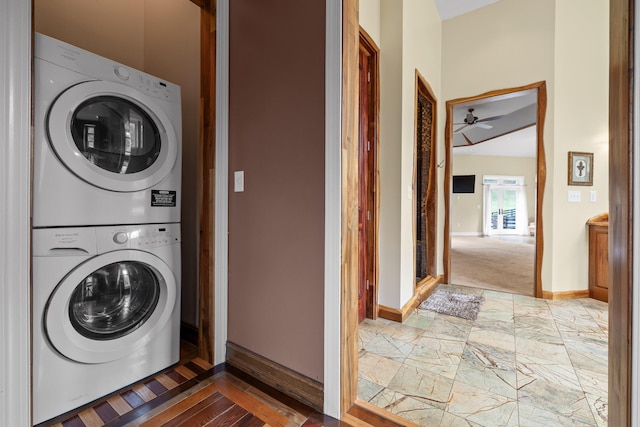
{"x":580,"y":168}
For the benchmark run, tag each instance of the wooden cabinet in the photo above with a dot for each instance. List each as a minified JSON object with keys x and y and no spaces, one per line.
{"x":599,"y":257}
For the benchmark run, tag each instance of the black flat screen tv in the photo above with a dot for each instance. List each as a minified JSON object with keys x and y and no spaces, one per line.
{"x":464,"y":183}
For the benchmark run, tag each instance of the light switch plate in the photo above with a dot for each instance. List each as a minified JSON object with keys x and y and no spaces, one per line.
{"x":594,"y":197}
{"x":574,"y":196}
{"x":238,"y":181}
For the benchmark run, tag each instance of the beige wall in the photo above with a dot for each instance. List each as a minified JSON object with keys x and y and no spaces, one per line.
{"x":421,"y":45}
{"x":410,"y":40}
{"x":97,"y":26}
{"x":162,"y":38}
{"x":390,"y":151}
{"x":370,"y":18}
{"x":581,"y":124}
{"x":466,"y":209}
{"x":513,"y":45}
{"x":276,"y":226}
{"x":517,"y":42}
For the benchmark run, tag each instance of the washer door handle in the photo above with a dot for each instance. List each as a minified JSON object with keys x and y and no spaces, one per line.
{"x":67,"y":251}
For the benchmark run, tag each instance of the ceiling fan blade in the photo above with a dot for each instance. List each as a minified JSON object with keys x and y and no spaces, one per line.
{"x":460,"y":129}
{"x":488,"y":119}
{"x":484,"y":125}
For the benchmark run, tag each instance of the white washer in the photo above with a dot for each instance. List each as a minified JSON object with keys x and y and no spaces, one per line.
{"x":107,"y":141}
{"x":106,"y":311}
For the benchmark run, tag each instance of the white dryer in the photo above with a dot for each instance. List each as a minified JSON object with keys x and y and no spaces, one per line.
{"x":107,"y":141}
{"x":106,"y":311}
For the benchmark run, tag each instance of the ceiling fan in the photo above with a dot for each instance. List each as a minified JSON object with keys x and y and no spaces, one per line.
{"x":472,"y":121}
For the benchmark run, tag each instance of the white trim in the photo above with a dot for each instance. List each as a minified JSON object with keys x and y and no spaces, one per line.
{"x":635,"y":293}
{"x":15,"y":227}
{"x":221,"y":227}
{"x":333,"y":215}
{"x":466,"y":233}
{"x":499,"y":180}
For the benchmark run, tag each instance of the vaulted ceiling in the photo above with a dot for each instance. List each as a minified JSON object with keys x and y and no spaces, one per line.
{"x":451,"y":8}
{"x":499,"y":125}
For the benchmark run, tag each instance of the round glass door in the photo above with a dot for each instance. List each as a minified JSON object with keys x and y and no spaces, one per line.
{"x":113,"y":136}
{"x":114,"y":300}
{"x":111,"y":305}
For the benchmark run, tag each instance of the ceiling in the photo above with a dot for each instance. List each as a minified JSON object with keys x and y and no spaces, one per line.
{"x":517,"y":144}
{"x":451,"y":8}
{"x":504,"y":125}
{"x":513,"y":134}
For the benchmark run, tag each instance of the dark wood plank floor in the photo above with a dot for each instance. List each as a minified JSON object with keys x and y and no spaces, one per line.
{"x":194,"y":393}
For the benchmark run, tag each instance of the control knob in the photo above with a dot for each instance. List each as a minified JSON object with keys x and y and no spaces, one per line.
{"x":121,"y":72}
{"x":120,"y":237}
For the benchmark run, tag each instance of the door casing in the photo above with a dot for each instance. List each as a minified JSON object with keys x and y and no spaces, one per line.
{"x":371,"y":175}
{"x":541,"y":175}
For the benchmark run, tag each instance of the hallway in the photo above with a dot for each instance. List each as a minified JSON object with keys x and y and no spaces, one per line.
{"x":523,"y":362}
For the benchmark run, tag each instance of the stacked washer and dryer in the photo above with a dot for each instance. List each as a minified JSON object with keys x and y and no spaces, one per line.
{"x":106,"y":227}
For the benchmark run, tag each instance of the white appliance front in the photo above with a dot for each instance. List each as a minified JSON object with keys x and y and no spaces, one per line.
{"x":107,"y":141}
{"x":105,"y":311}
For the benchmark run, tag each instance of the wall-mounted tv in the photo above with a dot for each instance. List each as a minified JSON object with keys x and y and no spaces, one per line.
{"x":464,"y":183}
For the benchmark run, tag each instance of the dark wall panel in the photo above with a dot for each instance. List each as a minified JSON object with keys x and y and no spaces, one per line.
{"x":276,"y":136}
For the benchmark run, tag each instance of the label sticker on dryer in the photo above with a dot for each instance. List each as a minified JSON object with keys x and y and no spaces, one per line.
{"x":163,"y":198}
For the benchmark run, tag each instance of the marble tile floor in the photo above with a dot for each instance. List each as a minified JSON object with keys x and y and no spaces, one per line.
{"x":523,"y":362}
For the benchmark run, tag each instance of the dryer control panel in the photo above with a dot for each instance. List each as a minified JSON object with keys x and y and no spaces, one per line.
{"x":143,"y":237}
{"x":89,"y":64}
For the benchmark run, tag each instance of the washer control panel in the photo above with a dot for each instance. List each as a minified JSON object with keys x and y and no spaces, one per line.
{"x":88,"y":241}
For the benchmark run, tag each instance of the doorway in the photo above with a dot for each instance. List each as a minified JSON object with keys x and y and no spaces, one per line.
{"x":455,"y":130}
{"x":368,"y":183}
{"x":425,"y":182}
{"x":504,"y":207}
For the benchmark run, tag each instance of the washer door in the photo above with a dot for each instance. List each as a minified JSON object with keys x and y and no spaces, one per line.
{"x":110,"y":306}
{"x":112,"y":136}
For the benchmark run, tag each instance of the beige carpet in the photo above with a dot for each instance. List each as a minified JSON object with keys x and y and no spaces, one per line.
{"x":493,"y":263}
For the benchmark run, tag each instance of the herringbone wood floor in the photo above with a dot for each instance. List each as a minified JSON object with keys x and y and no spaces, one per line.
{"x":195,"y":394}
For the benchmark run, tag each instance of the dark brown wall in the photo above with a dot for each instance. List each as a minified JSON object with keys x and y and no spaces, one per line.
{"x":276,"y":136}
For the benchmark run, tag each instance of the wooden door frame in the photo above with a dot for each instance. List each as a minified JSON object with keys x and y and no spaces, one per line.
{"x":621,"y":209}
{"x":367,"y":45}
{"x":349,"y":222}
{"x":541,"y":175}
{"x":423,"y":87}
{"x":350,"y":405}
{"x":206,"y":154}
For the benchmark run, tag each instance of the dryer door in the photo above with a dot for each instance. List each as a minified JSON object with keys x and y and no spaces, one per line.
{"x":112,"y":136}
{"x":110,"y":306}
